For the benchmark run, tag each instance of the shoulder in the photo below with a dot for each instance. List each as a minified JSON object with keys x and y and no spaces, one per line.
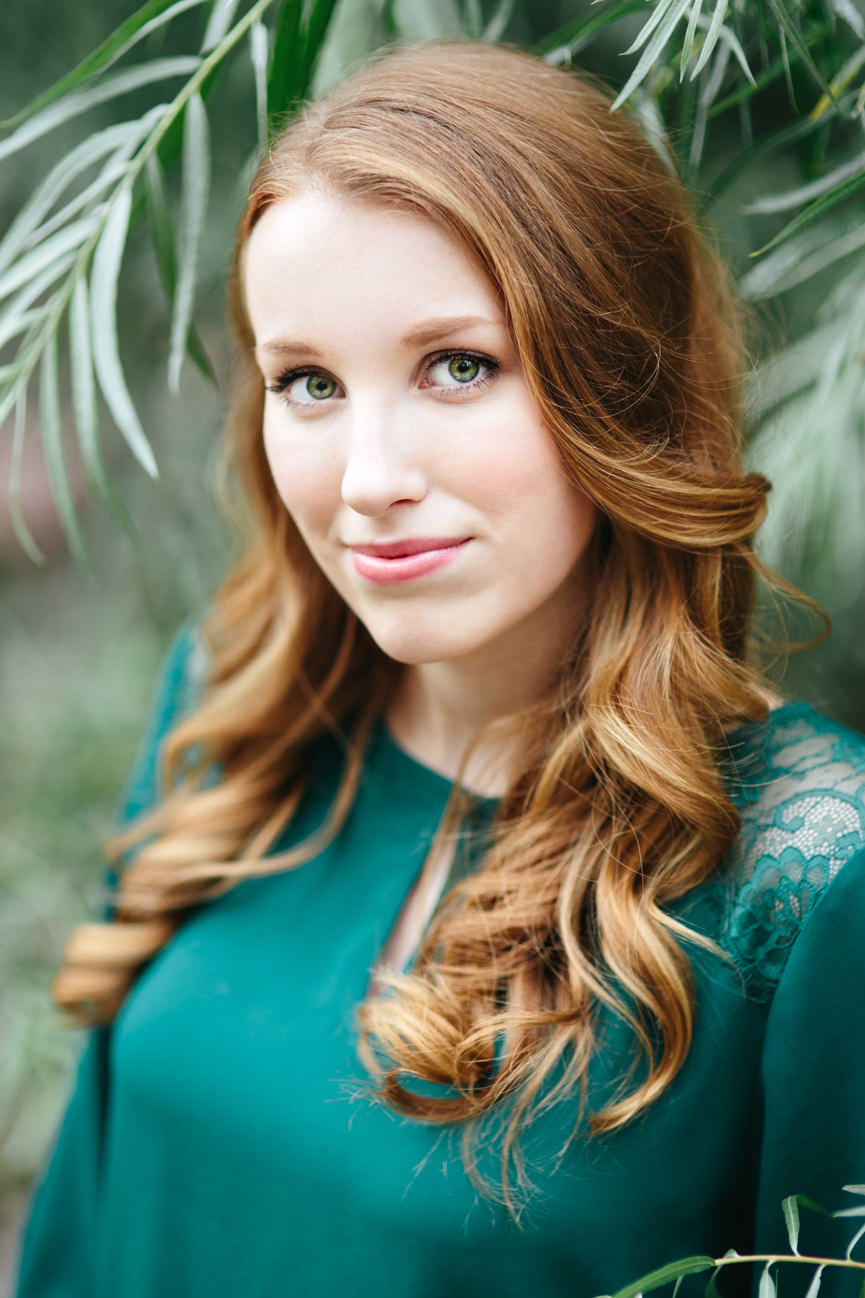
{"x":798,"y":780}
{"x":179,"y":688}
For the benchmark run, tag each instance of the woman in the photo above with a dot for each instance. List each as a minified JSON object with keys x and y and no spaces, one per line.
{"x":491,"y":926}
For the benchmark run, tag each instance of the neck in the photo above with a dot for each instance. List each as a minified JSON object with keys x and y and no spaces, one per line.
{"x":439,"y":709}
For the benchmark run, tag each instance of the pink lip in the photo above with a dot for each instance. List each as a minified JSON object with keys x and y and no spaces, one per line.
{"x":407,"y":560}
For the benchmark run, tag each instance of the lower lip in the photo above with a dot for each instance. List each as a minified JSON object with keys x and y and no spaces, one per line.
{"x":408,"y":567}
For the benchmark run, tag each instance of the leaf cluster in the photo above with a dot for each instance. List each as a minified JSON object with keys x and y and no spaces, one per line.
{"x":735,"y":91}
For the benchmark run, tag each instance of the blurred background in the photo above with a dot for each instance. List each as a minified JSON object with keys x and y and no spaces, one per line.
{"x":81,"y":651}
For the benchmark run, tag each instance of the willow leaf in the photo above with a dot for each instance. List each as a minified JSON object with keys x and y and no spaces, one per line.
{"x":847,"y":10}
{"x":814,"y":1286}
{"x":657,"y":16}
{"x":14,"y":313}
{"x":718,"y":32}
{"x":51,"y":429}
{"x":141,"y":23}
{"x":286,"y":60}
{"x":258,"y":41}
{"x":748,"y":157}
{"x":825,"y":204}
{"x":16,"y":515}
{"x":854,"y":1241}
{"x":766,"y":1288}
{"x":575,"y":35}
{"x":82,"y":101}
{"x":472,"y":19}
{"x":218,"y":23}
{"x":798,"y":260}
{"x":498,"y":23}
{"x":672,"y":15}
{"x":103,"y":311}
{"x":84,"y":406}
{"x":422,"y":20}
{"x":790,"y":1209}
{"x":51,"y":255}
{"x":691,"y":31}
{"x":196,"y":181}
{"x":788,"y":30}
{"x":805,"y":193}
{"x":45,"y":195}
{"x":113,"y":170}
{"x":665,"y":1275}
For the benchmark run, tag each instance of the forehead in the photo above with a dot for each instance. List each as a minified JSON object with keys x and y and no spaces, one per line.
{"x":315,"y":259}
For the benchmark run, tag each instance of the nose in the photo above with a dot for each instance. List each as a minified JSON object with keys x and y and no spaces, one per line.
{"x":380,"y":467}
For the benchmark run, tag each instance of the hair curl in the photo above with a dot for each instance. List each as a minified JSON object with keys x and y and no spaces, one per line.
{"x":628,"y":336}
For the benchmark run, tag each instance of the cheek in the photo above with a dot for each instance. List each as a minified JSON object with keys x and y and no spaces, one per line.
{"x":304,"y":475}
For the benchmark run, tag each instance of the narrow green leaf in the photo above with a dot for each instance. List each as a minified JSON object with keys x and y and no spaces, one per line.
{"x":218,"y":23}
{"x":665,"y":1275}
{"x":161,"y":227}
{"x":498,"y":23}
{"x":52,"y":444}
{"x":139,"y":24}
{"x":847,"y":10}
{"x":49,"y":255}
{"x":850,"y":1212}
{"x":855,"y":1189}
{"x":657,"y":16}
{"x":748,"y":157}
{"x":854,"y":1241}
{"x":73,"y":105}
{"x":318,"y":23}
{"x":196,"y":183}
{"x":797,"y":260}
{"x":766,"y":1288}
{"x":790,"y":1208}
{"x":14,"y":312}
{"x":652,"y":50}
{"x":45,"y":195}
{"x":690,"y":32}
{"x":472,"y":19}
{"x":824,"y":204}
{"x":84,"y":406}
{"x":19,"y":524}
{"x":788,"y":29}
{"x":805,"y":193}
{"x":575,"y":35}
{"x":258,"y":52}
{"x":103,"y":310}
{"x":286,"y":60}
{"x":814,"y":1286}
{"x":718,"y":32}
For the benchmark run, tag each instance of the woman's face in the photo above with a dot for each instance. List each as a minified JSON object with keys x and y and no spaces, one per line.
{"x":402,"y":435}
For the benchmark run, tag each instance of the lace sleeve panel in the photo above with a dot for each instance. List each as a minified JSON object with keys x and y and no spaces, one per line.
{"x":799,"y":783}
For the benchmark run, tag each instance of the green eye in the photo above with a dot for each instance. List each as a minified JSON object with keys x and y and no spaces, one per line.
{"x":320,"y":386}
{"x":463,"y":368}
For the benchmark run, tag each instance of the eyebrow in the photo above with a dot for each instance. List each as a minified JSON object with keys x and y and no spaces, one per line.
{"x":429,"y":332}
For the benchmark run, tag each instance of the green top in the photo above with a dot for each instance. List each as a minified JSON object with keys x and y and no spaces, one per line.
{"x":218,"y":1143}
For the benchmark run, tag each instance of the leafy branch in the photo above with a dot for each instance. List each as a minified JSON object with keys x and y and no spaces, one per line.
{"x":693,"y":70}
{"x":676,"y":1272}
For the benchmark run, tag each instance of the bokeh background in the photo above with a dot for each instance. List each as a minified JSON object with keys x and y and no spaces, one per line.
{"x":80,"y":652}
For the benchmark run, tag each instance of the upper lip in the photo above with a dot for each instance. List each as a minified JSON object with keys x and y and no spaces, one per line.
{"x":411,"y":545}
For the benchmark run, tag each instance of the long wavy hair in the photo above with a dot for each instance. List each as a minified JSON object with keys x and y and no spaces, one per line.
{"x":628,"y":337}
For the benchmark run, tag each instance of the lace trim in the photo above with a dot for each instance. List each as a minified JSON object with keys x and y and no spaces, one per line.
{"x":799,"y":783}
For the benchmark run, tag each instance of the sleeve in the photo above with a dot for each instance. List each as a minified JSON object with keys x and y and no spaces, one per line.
{"x":57,"y":1247}
{"x":814,"y":1087}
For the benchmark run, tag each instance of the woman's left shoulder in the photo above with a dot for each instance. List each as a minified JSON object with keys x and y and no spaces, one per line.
{"x":798,"y":780}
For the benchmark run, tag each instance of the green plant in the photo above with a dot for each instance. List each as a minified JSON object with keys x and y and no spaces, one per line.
{"x":762,"y":102}
{"x":675,"y":1272}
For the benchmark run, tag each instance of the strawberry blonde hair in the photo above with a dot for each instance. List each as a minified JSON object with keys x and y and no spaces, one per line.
{"x":627,"y":334}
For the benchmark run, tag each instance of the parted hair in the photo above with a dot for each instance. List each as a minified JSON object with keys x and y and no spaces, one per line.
{"x":628,"y":336}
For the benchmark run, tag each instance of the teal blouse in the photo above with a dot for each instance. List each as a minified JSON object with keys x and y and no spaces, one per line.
{"x":218,"y":1142}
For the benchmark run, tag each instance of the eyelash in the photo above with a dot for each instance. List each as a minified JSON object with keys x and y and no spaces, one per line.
{"x":283,"y":382}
